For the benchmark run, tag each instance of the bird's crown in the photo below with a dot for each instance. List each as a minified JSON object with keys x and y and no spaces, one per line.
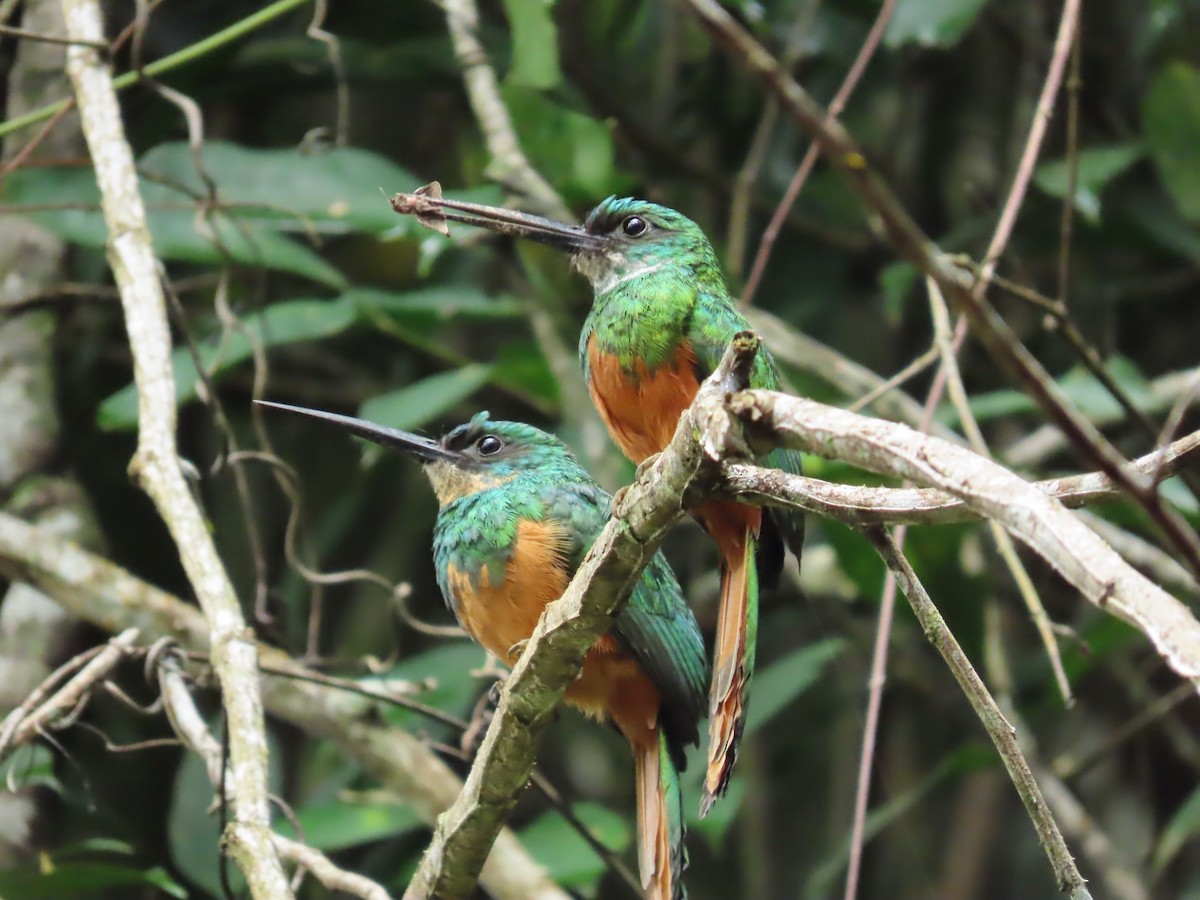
{"x":485,"y":441}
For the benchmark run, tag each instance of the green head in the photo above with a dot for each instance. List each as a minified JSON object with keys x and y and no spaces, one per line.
{"x":472,"y":457}
{"x":622,"y":239}
{"x":637,"y":238}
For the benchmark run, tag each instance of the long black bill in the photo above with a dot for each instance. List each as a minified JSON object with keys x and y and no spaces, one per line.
{"x":414,"y":445}
{"x":432,"y":210}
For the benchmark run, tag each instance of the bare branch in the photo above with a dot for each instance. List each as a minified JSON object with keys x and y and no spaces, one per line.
{"x":325,"y":871}
{"x":108,"y":596}
{"x":508,"y":165}
{"x":994,"y":492}
{"x":156,"y":463}
{"x":39,"y":712}
{"x":189,"y":725}
{"x":641,"y":517}
{"x":867,"y":505}
{"x":956,"y":283}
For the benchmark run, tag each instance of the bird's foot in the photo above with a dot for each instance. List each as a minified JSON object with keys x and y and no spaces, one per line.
{"x":515,"y":651}
{"x":481,"y":718}
{"x":491,"y":668}
{"x":645,"y":464}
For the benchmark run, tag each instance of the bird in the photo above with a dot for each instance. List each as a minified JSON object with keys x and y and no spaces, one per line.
{"x":661,"y":317}
{"x":516,"y":515}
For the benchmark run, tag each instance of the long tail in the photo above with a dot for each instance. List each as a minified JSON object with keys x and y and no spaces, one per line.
{"x":733,"y":660}
{"x":662,"y":856}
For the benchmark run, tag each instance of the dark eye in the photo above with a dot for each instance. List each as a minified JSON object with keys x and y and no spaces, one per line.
{"x":634,"y":226}
{"x":489,"y":444}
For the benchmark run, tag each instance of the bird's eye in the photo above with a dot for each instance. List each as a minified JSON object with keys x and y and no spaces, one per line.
{"x":635,"y":226}
{"x":489,"y":445}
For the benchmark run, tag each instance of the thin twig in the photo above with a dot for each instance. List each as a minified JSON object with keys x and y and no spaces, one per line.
{"x":160,"y":66}
{"x":1003,"y":735}
{"x":1067,"y":219}
{"x":913,"y":244}
{"x":25,"y":34}
{"x":771,"y":234}
{"x":38,"y":712}
{"x":1004,"y":543}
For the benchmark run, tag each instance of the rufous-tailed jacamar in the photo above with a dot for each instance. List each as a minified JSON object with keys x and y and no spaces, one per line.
{"x":660,"y":320}
{"x":517,"y":514}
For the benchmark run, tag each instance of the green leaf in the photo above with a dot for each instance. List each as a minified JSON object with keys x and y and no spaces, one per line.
{"x":426,"y":308}
{"x":30,"y":766}
{"x":774,"y":688}
{"x":896,"y":281}
{"x":84,"y":879}
{"x":931,"y":22}
{"x":969,"y":758}
{"x":220,"y":239}
{"x":284,"y":323}
{"x":568,"y":858}
{"x":574,"y":151}
{"x":1171,"y":122}
{"x":178,"y":232}
{"x":787,"y":679}
{"x":413,"y":406}
{"x":1095,"y":168}
{"x":534,"y":62}
{"x":445,"y":672}
{"x":1182,"y":829}
{"x":340,"y":824}
{"x":522,"y":366}
{"x":193,"y":827}
{"x":1179,"y":495}
{"x":329,"y":190}
{"x":1162,"y":223}
{"x":1079,"y":386}
{"x":193,"y":832}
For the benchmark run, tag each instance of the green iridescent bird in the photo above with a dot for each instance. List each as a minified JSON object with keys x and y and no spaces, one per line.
{"x":660,"y":321}
{"x":517,"y":514}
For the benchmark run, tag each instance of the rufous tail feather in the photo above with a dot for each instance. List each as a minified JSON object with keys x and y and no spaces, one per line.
{"x":662,"y":856}
{"x":733,"y":665}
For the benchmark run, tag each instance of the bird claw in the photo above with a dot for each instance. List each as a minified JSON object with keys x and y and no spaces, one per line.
{"x":643,"y":467}
{"x":491,"y":668}
{"x":645,"y":464}
{"x":515,"y":651}
{"x":494,"y":691}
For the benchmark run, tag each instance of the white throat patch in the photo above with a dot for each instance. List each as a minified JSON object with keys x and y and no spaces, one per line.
{"x":611,"y":270}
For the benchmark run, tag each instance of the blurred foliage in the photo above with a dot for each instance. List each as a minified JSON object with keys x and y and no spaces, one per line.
{"x":283,"y":249}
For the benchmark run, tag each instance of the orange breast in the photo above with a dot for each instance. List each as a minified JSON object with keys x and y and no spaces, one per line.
{"x":641,"y":409}
{"x":500,"y":610}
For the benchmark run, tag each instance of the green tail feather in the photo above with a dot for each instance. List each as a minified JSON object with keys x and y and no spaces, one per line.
{"x":751,"y":624}
{"x":668,"y":776}
{"x":723,"y":738}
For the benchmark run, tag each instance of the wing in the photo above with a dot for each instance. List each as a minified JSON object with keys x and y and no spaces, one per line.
{"x":716,"y":321}
{"x":656,"y":627}
{"x":660,"y":632}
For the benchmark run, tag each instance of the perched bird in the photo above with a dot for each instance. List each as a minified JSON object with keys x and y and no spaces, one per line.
{"x":660,"y":320}
{"x":517,"y":514}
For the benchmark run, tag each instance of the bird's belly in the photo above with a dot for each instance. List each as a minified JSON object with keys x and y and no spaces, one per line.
{"x":500,"y":607}
{"x":641,"y":408}
{"x":500,"y":615}
{"x":612,"y":686}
